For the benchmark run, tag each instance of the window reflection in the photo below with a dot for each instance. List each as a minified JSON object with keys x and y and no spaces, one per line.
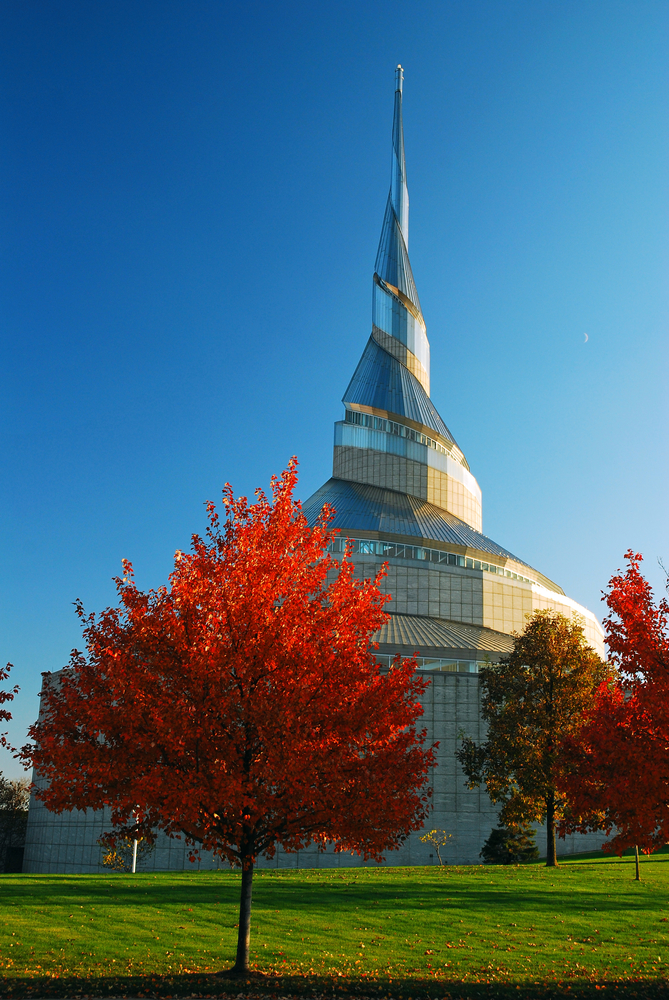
{"x":434,"y":664}
{"x":392,"y":316}
{"x":419,"y":553}
{"x":400,"y":430}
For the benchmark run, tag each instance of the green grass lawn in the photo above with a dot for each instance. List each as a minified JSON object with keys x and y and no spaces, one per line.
{"x":405,"y":931}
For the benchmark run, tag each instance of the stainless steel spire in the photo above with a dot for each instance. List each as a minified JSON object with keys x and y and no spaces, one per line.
{"x":397,"y":319}
{"x":399,"y":193}
{"x":392,"y":436}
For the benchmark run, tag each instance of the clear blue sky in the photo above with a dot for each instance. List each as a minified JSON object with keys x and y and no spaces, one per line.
{"x":192,"y":199}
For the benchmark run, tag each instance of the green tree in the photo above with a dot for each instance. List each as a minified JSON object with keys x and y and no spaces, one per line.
{"x":509,"y":846}
{"x":532,"y":700}
{"x":14,"y":798}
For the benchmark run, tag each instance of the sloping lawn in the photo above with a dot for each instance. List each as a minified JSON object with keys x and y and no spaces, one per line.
{"x":403,"y":931}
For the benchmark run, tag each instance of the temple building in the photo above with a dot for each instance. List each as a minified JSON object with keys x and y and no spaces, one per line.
{"x":404,"y":495}
{"x":403,"y":489}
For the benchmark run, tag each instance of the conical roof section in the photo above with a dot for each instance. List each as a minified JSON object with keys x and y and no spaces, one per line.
{"x":392,"y":258}
{"x":381,"y":382}
{"x":389,"y":513}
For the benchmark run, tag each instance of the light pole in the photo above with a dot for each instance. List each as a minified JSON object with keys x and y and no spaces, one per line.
{"x":134,"y":850}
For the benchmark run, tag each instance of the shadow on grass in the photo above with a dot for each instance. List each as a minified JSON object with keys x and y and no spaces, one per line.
{"x":604,"y":858}
{"x":271,"y":988}
{"x":326,"y":892}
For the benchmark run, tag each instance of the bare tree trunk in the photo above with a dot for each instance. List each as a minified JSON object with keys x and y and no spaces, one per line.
{"x":551,"y":855}
{"x":241,"y":965}
{"x":637,"y":877}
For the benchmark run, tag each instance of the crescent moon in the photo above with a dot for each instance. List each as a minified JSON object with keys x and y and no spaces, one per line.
{"x":586,"y":338}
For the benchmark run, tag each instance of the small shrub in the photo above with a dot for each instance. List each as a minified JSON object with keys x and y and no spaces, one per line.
{"x":438,"y":839}
{"x":510,"y":846}
{"x":118,"y":856}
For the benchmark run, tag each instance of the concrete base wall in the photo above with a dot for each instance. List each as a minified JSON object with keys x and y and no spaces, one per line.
{"x":68,"y":843}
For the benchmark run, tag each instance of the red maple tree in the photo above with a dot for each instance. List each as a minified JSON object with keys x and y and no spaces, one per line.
{"x":241,"y":706}
{"x":5,"y":696}
{"x":617,"y":772}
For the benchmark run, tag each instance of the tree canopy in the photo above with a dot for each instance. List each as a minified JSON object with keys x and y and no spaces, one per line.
{"x":618,"y":764}
{"x":241,"y":705}
{"x":532,"y":700}
{"x":5,"y":696}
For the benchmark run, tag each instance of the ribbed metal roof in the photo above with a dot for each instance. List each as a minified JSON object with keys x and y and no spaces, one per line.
{"x":361,"y":507}
{"x":430,"y":636}
{"x":392,"y":257}
{"x":382,"y":382}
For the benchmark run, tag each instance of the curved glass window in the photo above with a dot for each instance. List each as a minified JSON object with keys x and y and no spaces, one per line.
{"x":420,"y":553}
{"x":431,"y":663}
{"x":392,"y":316}
{"x":401,"y":430}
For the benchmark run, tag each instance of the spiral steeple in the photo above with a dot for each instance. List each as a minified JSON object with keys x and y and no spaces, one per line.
{"x":401,"y":487}
{"x":397,"y":319}
{"x":392,"y":435}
